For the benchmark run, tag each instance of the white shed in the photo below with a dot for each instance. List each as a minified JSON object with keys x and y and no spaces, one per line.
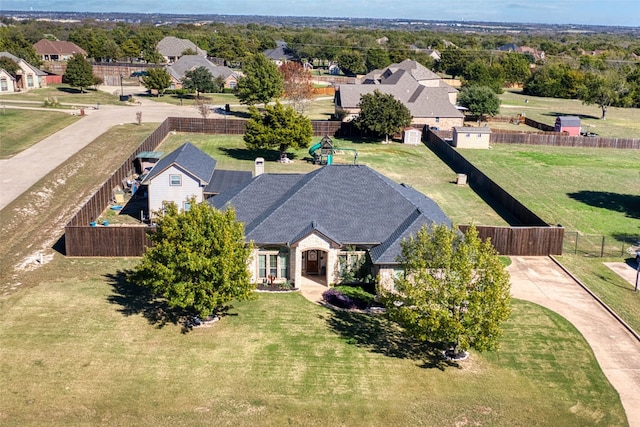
{"x":471,"y":137}
{"x":412,"y":136}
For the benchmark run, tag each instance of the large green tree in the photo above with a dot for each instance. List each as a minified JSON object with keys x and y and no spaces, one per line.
{"x":382,"y":114}
{"x":454,"y":291}
{"x":351,"y":62}
{"x":480,"y":101}
{"x":198,"y":261}
{"x":516,"y":68}
{"x":261,"y":81}
{"x":79,"y":72}
{"x":157,"y":79}
{"x":604,"y":90}
{"x":199,"y":80}
{"x":278,"y":127}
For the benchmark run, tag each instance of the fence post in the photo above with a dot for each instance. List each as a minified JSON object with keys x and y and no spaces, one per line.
{"x":575,"y":251}
{"x":602,"y":248}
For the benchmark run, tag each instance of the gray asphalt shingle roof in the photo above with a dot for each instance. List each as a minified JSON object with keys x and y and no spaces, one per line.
{"x":350,"y":204}
{"x":189,"y":158}
{"x":174,"y":47}
{"x":190,"y":62}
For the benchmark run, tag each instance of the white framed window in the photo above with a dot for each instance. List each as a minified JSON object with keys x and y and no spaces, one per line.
{"x":437,"y":119}
{"x":4,"y":85}
{"x":186,"y":206}
{"x":273,"y":263}
{"x":175,"y":179}
{"x":30,"y":80}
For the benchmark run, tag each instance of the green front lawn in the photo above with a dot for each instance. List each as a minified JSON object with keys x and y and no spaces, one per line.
{"x":20,"y":129}
{"x":85,"y":348}
{"x":65,"y":94}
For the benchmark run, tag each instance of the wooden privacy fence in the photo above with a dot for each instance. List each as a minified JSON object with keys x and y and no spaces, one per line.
{"x":81,"y":239}
{"x":112,"y":241}
{"x":533,"y":237}
{"x":523,"y":241}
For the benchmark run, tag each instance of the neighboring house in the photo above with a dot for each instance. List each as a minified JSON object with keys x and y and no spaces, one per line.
{"x":7,"y":82}
{"x":471,"y":137}
{"x":569,"y":124}
{"x":433,"y":53}
{"x":56,"y":50}
{"x":280,"y":55}
{"x":184,"y":173}
{"x":314,"y":224}
{"x":27,"y":77}
{"x":429,"y":99}
{"x":538,"y":55}
{"x":173,"y":48}
{"x":186,"y":63}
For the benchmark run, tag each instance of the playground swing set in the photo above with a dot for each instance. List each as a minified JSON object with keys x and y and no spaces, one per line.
{"x":323,"y":152}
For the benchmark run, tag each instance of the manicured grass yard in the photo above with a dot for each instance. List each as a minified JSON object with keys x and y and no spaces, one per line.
{"x":415,"y":165}
{"x":83,"y":349}
{"x":20,"y":129}
{"x":65,"y":94}
{"x":590,"y":190}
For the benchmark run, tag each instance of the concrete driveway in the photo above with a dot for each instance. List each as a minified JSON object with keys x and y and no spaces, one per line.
{"x":542,"y":281}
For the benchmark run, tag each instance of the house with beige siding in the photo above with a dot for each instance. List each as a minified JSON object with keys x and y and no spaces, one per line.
{"x":317,"y":224}
{"x":173,"y":48}
{"x":430,"y":100}
{"x":27,"y":77}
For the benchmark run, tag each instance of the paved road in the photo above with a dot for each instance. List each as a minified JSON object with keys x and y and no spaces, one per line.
{"x":540,"y":280}
{"x":20,"y":172}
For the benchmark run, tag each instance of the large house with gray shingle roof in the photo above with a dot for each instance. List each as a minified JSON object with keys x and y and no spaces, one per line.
{"x":430,"y":100}
{"x":311,"y":224}
{"x":186,"y":63}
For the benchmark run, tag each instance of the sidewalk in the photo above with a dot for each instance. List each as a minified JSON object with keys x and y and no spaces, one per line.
{"x":540,"y":280}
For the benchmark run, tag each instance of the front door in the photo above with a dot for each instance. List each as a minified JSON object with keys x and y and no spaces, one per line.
{"x":312,"y":262}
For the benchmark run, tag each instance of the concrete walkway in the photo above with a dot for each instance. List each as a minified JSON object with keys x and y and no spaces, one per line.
{"x":20,"y":172}
{"x":540,"y":280}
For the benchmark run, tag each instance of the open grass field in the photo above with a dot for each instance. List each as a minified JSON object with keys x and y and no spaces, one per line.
{"x":414,"y":165}
{"x":620,"y":122}
{"x":590,"y":190}
{"x":85,"y":348}
{"x":20,"y":129}
{"x":65,"y":94}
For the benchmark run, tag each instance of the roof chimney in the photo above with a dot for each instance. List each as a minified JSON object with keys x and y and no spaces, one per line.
{"x":258,"y":167}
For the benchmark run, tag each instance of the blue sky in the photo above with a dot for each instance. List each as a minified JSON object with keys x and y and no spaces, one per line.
{"x":601,"y":12}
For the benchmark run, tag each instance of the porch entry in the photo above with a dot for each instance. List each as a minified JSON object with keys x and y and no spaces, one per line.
{"x":314,"y":262}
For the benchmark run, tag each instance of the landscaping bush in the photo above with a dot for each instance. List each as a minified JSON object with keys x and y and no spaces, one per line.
{"x":337,"y":298}
{"x":358,"y":294}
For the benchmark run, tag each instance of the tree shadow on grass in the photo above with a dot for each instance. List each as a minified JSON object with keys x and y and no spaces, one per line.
{"x":246,"y":154}
{"x":581,"y":116}
{"x":135,"y":300}
{"x":628,"y":204}
{"x":379,"y":335}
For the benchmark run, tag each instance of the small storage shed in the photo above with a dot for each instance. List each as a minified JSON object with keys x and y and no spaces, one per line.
{"x":568,"y":124}
{"x":145,"y":160}
{"x":411,"y":136}
{"x":471,"y":137}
